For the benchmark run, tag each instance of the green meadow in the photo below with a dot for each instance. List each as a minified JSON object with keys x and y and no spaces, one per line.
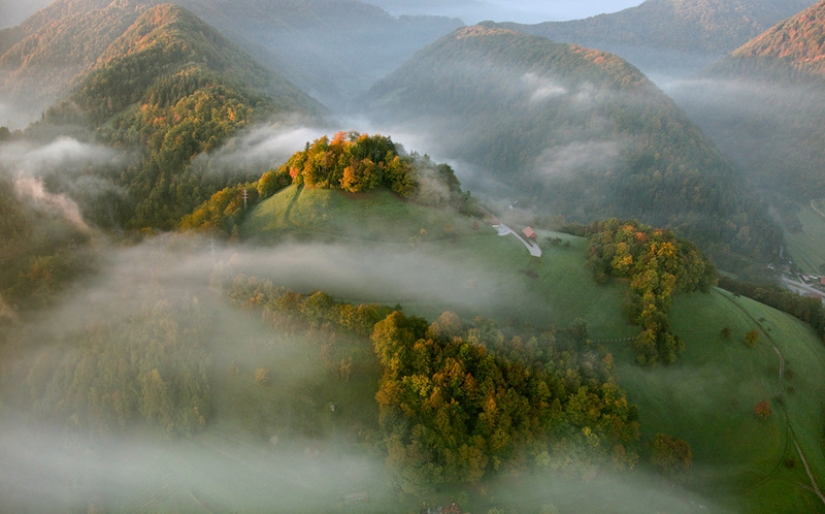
{"x":742,"y":463}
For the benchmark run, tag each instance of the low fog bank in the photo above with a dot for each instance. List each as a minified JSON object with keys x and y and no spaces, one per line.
{"x":46,"y":470}
{"x":771,"y":131}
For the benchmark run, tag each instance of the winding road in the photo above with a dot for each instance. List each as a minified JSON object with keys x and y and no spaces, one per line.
{"x":532,"y":247}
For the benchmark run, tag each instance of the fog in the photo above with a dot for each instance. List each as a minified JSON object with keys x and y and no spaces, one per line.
{"x":521,"y":11}
{"x":256,"y":452}
{"x":770,"y":130}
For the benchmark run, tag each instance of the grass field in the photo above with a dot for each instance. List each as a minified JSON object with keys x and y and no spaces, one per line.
{"x":807,"y":248}
{"x":741,"y":463}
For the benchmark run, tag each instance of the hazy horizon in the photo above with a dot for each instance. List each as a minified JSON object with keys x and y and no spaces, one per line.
{"x":14,"y":12}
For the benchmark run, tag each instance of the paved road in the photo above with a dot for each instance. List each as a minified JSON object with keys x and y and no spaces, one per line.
{"x":532,"y":247}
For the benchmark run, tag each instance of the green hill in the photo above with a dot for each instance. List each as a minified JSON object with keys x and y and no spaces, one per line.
{"x":576,"y":132}
{"x":666,"y":35}
{"x":741,"y":462}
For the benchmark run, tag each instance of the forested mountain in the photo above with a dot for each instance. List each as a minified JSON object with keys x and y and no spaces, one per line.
{"x":578,"y":132}
{"x":171,"y":87}
{"x":764,"y":105}
{"x":669,"y":34}
{"x":334,"y":49}
{"x":39,"y":59}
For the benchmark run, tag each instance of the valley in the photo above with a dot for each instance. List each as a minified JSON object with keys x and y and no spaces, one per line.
{"x":343,"y":256}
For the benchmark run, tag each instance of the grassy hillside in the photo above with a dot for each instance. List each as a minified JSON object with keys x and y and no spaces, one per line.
{"x":576,"y":132}
{"x":741,"y":462}
{"x":806,"y":243}
{"x":461,"y":263}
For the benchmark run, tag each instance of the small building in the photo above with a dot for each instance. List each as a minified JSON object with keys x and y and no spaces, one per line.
{"x":530,"y":233}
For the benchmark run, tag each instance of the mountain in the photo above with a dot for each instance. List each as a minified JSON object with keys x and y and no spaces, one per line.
{"x":46,"y":52}
{"x":334,"y":49}
{"x":573,"y":131}
{"x":171,"y":87}
{"x":763,"y":105}
{"x":793,"y":49}
{"x":672,"y":34}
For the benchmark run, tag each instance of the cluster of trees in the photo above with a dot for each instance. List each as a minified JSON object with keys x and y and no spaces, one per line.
{"x":150,"y":369}
{"x":809,"y":310}
{"x":225,"y":210}
{"x":351,"y":162}
{"x":290,"y":311}
{"x":357,"y":163}
{"x":460,"y":401}
{"x":658,"y":265}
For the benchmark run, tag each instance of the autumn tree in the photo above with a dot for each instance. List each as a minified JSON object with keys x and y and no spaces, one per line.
{"x":671,"y":454}
{"x":763,"y":409}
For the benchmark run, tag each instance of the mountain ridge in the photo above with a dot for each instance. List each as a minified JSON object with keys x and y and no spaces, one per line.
{"x":584,"y":131}
{"x":658,"y":31}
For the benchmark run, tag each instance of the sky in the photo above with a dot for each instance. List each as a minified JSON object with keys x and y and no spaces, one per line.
{"x":13,"y":12}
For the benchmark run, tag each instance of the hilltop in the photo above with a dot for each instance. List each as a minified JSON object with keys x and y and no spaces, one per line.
{"x":670,"y":34}
{"x":792,"y":50}
{"x":573,"y":131}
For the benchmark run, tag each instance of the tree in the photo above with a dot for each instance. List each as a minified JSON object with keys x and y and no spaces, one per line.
{"x":262,"y":377}
{"x":726,"y":333}
{"x":751,"y":337}
{"x":671,"y":454}
{"x":763,"y":409}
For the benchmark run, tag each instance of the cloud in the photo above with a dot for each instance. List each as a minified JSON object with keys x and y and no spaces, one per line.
{"x":577,"y":157}
{"x":542,"y":88}
{"x":32,"y":190}
{"x":263,"y":146}
{"x":64,"y":153}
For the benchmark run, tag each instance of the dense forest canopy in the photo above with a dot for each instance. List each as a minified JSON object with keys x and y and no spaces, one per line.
{"x":171,"y":87}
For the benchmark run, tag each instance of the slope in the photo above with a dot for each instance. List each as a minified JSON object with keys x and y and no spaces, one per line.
{"x":763,"y":106}
{"x":335,"y":242}
{"x":669,"y":34}
{"x":572,"y":131}
{"x":333,"y":49}
{"x":53,"y":47}
{"x":171,"y":87}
